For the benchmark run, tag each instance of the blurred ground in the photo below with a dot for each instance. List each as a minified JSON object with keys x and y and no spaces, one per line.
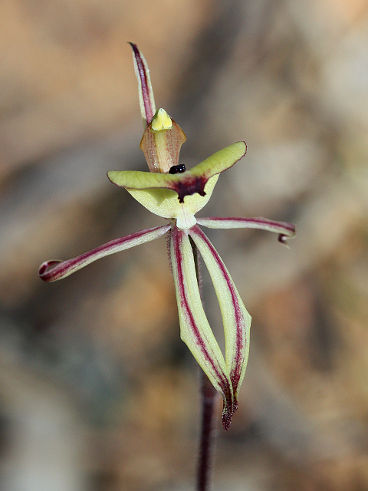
{"x":96,"y":390}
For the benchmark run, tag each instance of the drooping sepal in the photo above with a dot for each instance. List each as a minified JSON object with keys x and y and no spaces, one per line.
{"x":56,"y":270}
{"x":195,"y":330}
{"x":161,"y":142}
{"x":235,"y":317}
{"x":190,"y":182}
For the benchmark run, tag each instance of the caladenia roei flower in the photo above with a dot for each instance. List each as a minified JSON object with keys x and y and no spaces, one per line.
{"x":170,"y":191}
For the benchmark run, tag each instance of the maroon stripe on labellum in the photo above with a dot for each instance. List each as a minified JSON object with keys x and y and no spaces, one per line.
{"x":189,"y":185}
{"x":144,"y":83}
{"x":177,"y":236}
{"x":60,"y":268}
{"x":239,"y":318}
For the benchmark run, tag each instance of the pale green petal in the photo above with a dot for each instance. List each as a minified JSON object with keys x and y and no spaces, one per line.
{"x":221,"y":160}
{"x":285,"y":230}
{"x":195,"y":330}
{"x":56,"y":270}
{"x":236,"y":320}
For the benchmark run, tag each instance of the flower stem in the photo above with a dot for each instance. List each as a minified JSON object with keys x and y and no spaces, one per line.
{"x":205,"y":455}
{"x":208,"y":400}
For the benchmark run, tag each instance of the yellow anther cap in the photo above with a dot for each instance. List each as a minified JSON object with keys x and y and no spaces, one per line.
{"x":161,"y":121}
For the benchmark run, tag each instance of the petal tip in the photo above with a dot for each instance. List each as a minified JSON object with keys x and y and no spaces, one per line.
{"x":111,"y":176}
{"x":227,"y":415}
{"x":245,"y":146}
{"x":45,"y":269}
{"x":283,"y":238}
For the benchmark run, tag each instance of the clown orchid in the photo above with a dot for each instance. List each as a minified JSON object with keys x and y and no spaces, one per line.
{"x":170,"y":191}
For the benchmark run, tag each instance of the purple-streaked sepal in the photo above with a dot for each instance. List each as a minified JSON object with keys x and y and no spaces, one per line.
{"x":162,"y":137}
{"x":195,"y":330}
{"x":145,"y":91}
{"x":56,"y":270}
{"x":235,"y":318}
{"x":284,"y":230}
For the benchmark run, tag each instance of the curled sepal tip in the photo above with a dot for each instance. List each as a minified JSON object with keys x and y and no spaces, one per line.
{"x":283,"y":239}
{"x":46,"y":266}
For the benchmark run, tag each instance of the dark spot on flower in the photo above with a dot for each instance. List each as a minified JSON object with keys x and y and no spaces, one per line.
{"x":175,"y":169}
{"x":190,"y":185}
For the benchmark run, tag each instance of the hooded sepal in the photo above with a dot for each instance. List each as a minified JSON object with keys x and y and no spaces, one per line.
{"x":161,"y":142}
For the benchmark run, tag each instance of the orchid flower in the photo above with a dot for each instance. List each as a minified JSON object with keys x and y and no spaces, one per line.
{"x":172,"y":192}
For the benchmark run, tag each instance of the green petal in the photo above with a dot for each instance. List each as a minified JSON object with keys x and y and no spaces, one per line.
{"x":235,"y":317}
{"x":221,"y":160}
{"x":195,"y":330}
{"x":56,"y":270}
{"x":190,"y":182}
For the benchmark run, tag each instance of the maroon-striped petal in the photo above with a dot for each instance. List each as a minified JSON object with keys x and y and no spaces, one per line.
{"x":56,"y":270}
{"x":236,"y":320}
{"x":284,"y":229}
{"x":194,"y":327}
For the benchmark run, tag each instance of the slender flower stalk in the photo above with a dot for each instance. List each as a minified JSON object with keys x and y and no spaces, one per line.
{"x":207,"y":431}
{"x":171,"y":191}
{"x":207,"y":436}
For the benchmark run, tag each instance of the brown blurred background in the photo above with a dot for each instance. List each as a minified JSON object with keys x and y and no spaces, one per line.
{"x":97,"y":392}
